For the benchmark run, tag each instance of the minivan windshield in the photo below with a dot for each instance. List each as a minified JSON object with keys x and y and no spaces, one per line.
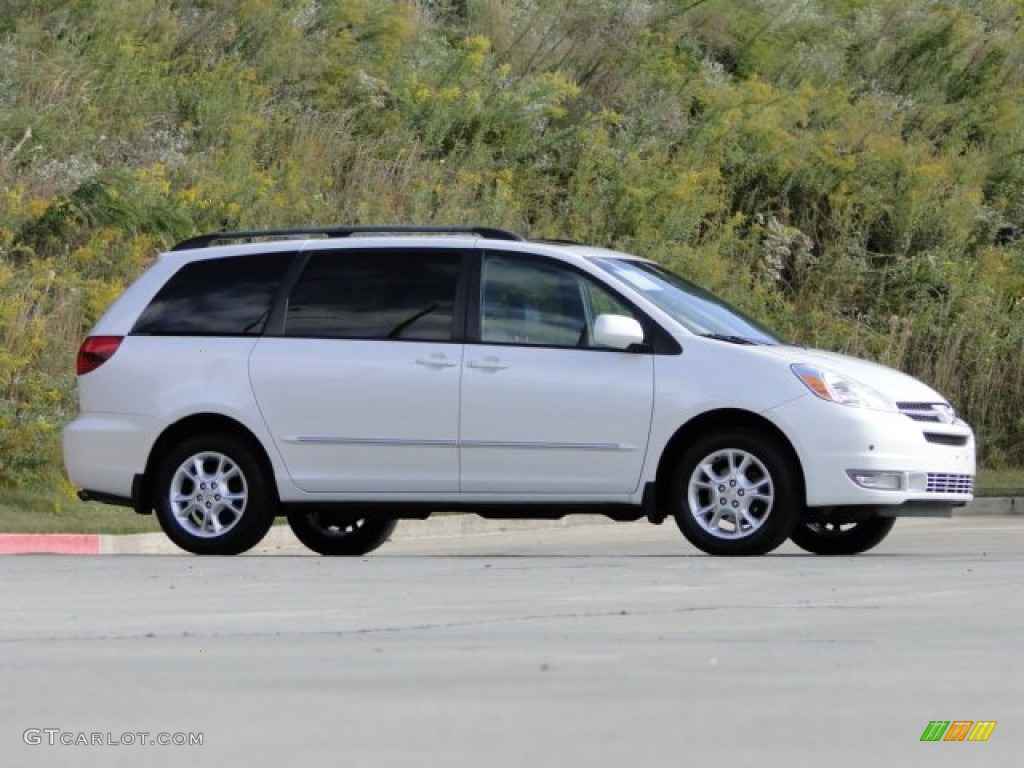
{"x":696,"y":309}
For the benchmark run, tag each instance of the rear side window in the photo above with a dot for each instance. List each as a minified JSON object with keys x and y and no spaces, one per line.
{"x":378,"y":294}
{"x":216,"y":297}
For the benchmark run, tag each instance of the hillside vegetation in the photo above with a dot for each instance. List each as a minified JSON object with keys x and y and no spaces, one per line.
{"x":849,"y":171}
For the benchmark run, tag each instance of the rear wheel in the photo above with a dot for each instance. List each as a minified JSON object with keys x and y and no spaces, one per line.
{"x":213,"y":496}
{"x":838,"y":538}
{"x":332,"y":532}
{"x":735,"y":492}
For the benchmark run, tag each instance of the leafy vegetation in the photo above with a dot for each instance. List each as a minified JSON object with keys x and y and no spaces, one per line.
{"x":851,"y":171}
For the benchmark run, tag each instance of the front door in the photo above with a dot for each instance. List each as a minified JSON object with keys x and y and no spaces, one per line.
{"x":544,"y":410}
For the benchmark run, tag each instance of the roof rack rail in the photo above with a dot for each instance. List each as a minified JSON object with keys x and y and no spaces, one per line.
{"x":557,"y":241}
{"x":205,"y":241}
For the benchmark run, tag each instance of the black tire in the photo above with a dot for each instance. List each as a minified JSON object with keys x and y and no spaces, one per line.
{"x":748,"y":506}
{"x":833,"y":538}
{"x":225,"y":487}
{"x":338,"y":533}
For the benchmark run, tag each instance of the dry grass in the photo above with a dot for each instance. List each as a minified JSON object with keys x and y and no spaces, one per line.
{"x":1000,"y":482}
{"x":23,"y":512}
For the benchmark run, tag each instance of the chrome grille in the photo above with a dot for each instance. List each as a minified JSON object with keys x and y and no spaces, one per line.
{"x":939,"y":413}
{"x":941,"y":482}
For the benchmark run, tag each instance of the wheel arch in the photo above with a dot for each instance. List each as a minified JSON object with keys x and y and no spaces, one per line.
{"x":195,"y":424}
{"x":706,"y":423}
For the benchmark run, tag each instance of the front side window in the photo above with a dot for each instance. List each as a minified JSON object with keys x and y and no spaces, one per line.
{"x":530,"y":302}
{"x":216,"y":297}
{"x":376,"y":294}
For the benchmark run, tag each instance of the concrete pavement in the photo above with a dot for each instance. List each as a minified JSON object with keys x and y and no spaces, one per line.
{"x":281,"y":539}
{"x":604,"y":645}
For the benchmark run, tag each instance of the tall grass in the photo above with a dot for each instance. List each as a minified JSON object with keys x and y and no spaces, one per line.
{"x":851,"y":172}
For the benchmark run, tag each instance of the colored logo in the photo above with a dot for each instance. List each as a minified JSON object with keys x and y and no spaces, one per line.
{"x":958,"y":730}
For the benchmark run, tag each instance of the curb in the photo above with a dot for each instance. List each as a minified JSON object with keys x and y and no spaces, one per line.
{"x":992,"y":506}
{"x":440,"y":526}
{"x":50,"y":543}
{"x":280,"y":539}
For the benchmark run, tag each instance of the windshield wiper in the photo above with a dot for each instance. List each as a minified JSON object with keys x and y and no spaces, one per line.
{"x":730,"y":338}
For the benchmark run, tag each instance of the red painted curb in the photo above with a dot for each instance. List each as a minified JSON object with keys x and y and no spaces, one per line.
{"x":49,"y":543}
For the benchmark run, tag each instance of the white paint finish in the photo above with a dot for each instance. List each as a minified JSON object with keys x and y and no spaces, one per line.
{"x":709,"y":376}
{"x":380,"y":420}
{"x":554,"y":421}
{"x":831,"y":439}
{"x":617,"y":332}
{"x":361,"y":416}
{"x":104,"y":451}
{"x":897,"y":385}
{"x":170,"y":377}
{"x":149,"y":384}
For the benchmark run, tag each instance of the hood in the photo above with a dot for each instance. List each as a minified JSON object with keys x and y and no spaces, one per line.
{"x":896,"y":385}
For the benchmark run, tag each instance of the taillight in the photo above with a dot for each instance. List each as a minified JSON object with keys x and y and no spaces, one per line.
{"x":95,"y":351}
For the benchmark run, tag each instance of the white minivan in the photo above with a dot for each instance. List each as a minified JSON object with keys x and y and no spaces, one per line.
{"x":349,"y":377}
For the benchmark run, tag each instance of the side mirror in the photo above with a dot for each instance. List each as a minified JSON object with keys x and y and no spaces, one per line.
{"x":617,"y":332}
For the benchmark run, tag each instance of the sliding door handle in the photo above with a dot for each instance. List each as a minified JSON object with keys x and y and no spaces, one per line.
{"x":488,"y":364}
{"x":437,"y":361}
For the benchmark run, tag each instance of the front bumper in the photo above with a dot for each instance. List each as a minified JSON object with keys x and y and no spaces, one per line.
{"x":854,"y":456}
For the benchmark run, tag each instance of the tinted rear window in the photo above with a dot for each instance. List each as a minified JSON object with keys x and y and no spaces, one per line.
{"x":216,"y":297}
{"x":379,"y":294}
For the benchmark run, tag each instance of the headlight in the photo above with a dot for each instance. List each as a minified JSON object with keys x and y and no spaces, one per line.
{"x":837,"y":388}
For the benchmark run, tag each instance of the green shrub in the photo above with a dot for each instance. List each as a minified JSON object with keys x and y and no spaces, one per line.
{"x":848,"y":171}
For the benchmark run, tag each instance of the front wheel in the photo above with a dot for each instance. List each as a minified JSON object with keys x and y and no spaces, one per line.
{"x":735,"y":492}
{"x":330,"y":532}
{"x":836,"y":538}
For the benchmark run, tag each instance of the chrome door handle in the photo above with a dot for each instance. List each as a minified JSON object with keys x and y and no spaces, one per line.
{"x":437,"y":361}
{"x":488,"y":364}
